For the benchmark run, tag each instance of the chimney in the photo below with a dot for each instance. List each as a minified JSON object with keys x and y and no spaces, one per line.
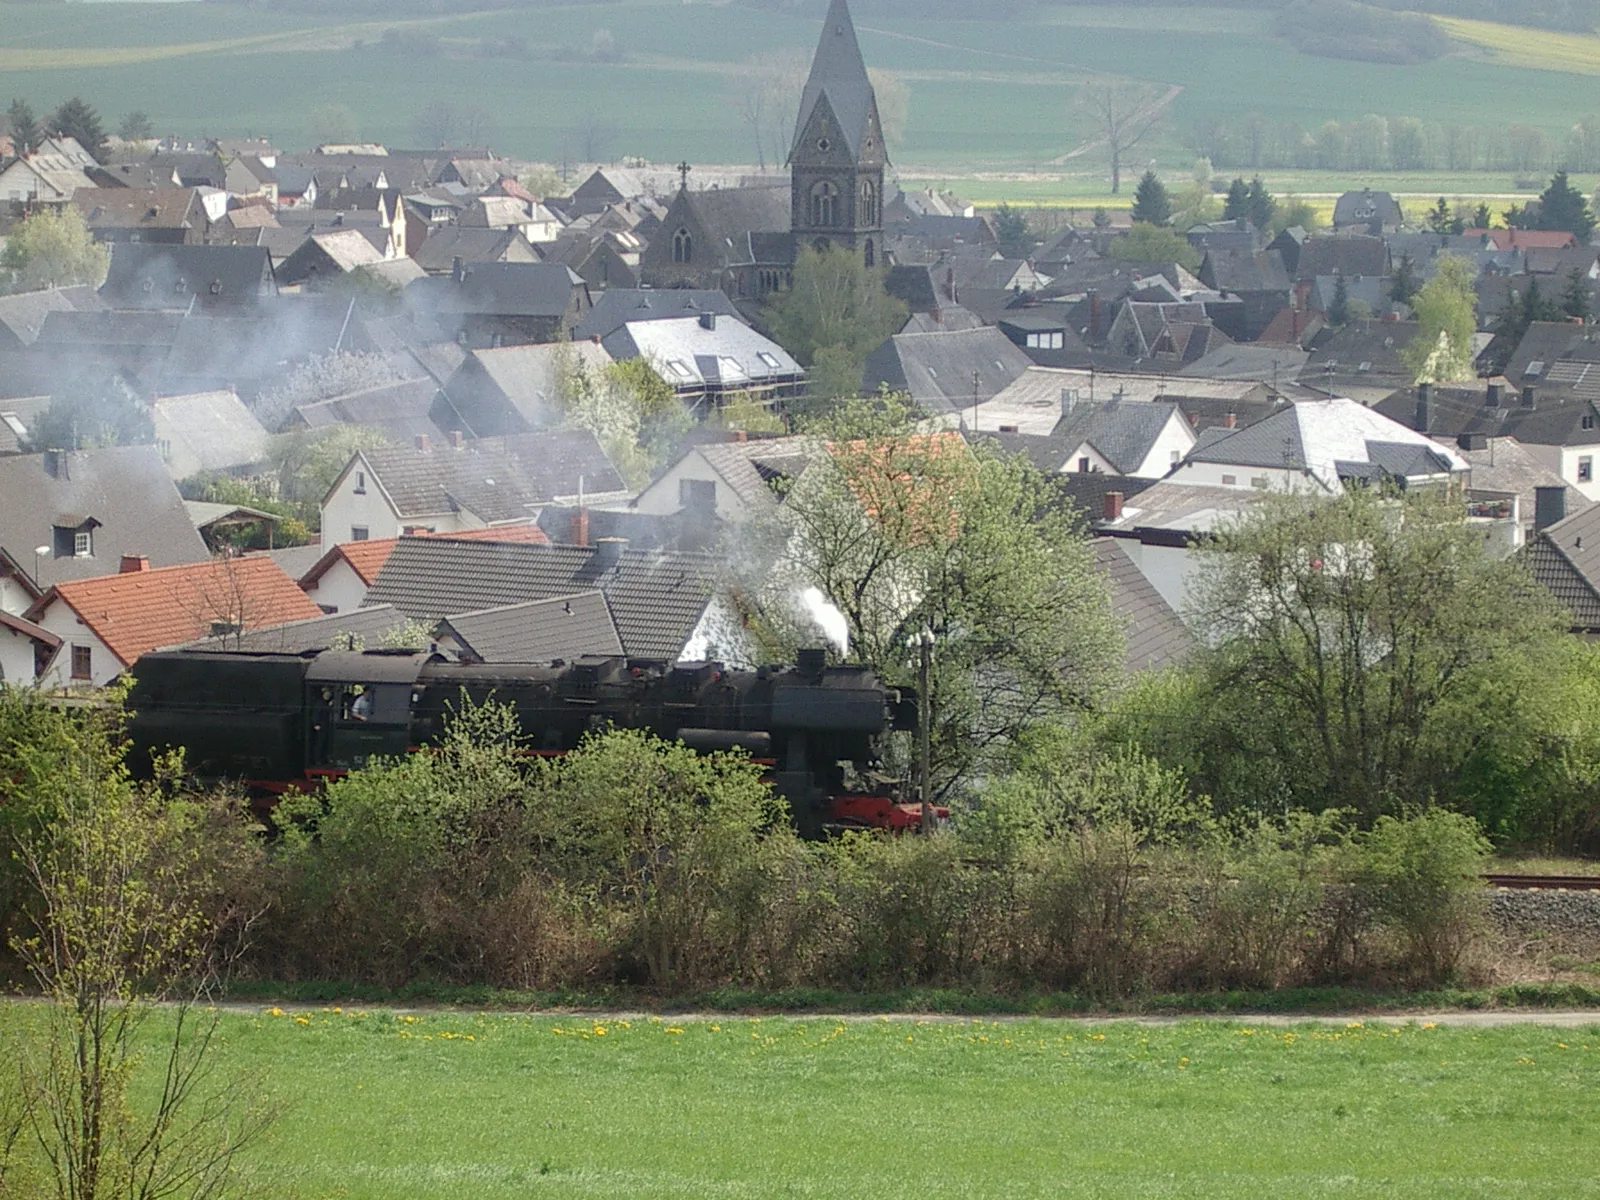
{"x":1424,"y":394}
{"x":1111,"y":506}
{"x":58,"y":464}
{"x":580,"y":527}
{"x":811,"y":662}
{"x":708,"y":320}
{"x":1527,"y":397}
{"x":1472,"y":441}
{"x":950,"y":284}
{"x":1230,"y":420}
{"x":1491,"y":396}
{"x":456,"y":271}
{"x":1069,"y":397}
{"x":1549,"y":505}
{"x":422,"y":442}
{"x":608,"y":551}
{"x":1094,"y":314}
{"x":456,"y":439}
{"x":132,"y":564}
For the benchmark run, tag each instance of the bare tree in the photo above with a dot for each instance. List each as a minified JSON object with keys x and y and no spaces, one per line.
{"x":118,"y":924}
{"x":438,"y":124}
{"x":593,"y":138}
{"x":1124,"y":113}
{"x":766,"y":93}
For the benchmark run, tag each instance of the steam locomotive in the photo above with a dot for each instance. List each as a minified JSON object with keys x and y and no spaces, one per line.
{"x":277,"y":721}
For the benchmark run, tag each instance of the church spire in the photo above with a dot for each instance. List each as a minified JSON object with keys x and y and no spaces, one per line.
{"x":839,"y":73}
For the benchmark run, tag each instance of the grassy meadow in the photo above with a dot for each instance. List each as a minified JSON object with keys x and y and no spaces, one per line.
{"x":445,"y":1104}
{"x":983,"y":96}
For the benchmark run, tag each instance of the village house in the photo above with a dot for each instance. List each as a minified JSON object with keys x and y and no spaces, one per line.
{"x":503,"y":304}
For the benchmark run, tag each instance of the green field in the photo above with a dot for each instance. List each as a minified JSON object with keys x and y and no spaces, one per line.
{"x":983,"y":95}
{"x":378,"y":1105}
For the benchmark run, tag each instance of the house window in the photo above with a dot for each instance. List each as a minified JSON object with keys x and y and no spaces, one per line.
{"x":824,"y":200}
{"x":361,"y":483}
{"x":1585,"y":469}
{"x":682,"y":246}
{"x":1588,"y":421}
{"x":1259,"y":482}
{"x":1083,"y":465}
{"x":1229,"y":480}
{"x":358,"y":533}
{"x":869,"y":205}
{"x":697,"y":495}
{"x":1176,"y":457}
{"x":82,"y":662}
{"x":82,"y":544}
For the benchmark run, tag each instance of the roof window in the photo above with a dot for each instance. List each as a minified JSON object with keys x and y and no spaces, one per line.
{"x":1536,"y":367}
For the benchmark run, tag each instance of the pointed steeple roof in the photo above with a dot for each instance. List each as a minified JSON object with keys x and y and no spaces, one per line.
{"x":838,"y":72}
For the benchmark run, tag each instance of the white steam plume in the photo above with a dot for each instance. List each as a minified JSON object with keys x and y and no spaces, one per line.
{"x":828,"y":618}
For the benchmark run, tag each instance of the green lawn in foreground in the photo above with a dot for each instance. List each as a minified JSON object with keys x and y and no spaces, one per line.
{"x":485,"y":1106}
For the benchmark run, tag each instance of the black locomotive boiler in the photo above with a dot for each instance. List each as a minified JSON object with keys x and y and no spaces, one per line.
{"x":280,"y":721}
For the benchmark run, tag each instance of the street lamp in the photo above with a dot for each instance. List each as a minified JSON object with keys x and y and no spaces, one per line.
{"x":38,"y":553}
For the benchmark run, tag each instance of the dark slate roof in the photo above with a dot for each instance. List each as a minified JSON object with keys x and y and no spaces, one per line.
{"x":154,"y":275}
{"x":1241,"y":271}
{"x":937,"y":368}
{"x":539,"y":630}
{"x":1366,"y":207}
{"x":1565,"y":558}
{"x":126,"y":489}
{"x":1086,"y":491}
{"x":503,"y":289}
{"x":338,"y":631}
{"x":401,"y":410}
{"x":1339,"y":352}
{"x":1547,"y":343}
{"x":914,"y":286}
{"x":1156,"y":638}
{"x":22,"y":315}
{"x":442,"y":247}
{"x":249,"y":352}
{"x":1354,"y":254}
{"x":615,"y":307}
{"x":1556,"y":418}
{"x":498,"y":479}
{"x":1122,"y":433}
{"x":656,"y":598}
{"x":839,"y":74}
{"x":732,"y":214}
{"x":119,"y":327}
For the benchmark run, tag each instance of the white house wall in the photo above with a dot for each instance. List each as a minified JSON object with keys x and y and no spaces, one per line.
{"x":1097,"y":465}
{"x":14,"y":598}
{"x":62,"y":621}
{"x":1175,"y":440}
{"x":1171,"y":570}
{"x":1571,"y":463}
{"x":346,"y":509}
{"x":16,"y":656}
{"x":1244,"y":478}
{"x":339,"y":589}
{"x":661,"y":497}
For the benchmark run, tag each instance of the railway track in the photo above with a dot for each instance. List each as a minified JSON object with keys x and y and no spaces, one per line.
{"x":1570,"y":883}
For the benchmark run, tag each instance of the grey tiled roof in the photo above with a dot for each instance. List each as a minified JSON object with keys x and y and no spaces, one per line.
{"x":366,"y":626}
{"x":615,"y":307}
{"x":499,"y":479}
{"x":1565,"y":558}
{"x":656,"y":597}
{"x":505,"y":289}
{"x":539,"y":630}
{"x":937,"y":368}
{"x":1156,"y":638}
{"x":1122,"y":433}
{"x":24,"y":313}
{"x":155,"y":275}
{"x":125,"y":488}
{"x":1351,"y":255}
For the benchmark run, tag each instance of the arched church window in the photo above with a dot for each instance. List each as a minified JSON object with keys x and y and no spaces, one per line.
{"x":824,"y":201}
{"x":682,"y":246}
{"x":869,"y":203}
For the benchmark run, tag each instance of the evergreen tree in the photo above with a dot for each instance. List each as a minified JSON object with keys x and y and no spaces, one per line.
{"x":1482,"y":218}
{"x":136,"y":127}
{"x":1339,"y":310}
{"x":76,"y":119}
{"x":24,"y":127}
{"x":1439,"y":218}
{"x":1518,"y":217}
{"x":1011,"y":230}
{"x":1237,"y":206}
{"x":1261,"y":207}
{"x":1151,"y":204}
{"x":1405,"y":283}
{"x":1562,"y":206}
{"x":1575,"y":301}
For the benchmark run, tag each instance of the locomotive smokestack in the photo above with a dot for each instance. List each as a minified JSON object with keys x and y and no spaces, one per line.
{"x":811,"y":662}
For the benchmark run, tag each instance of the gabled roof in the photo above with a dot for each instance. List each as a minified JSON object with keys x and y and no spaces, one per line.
{"x":730,"y":215}
{"x":538,"y":630}
{"x":1326,"y":439}
{"x":838,"y":74}
{"x":155,"y":275}
{"x":126,"y":489}
{"x":1556,"y":417}
{"x":690,"y":356}
{"x":1344,"y":254}
{"x":366,"y":557}
{"x":615,"y":307}
{"x":402,"y":410}
{"x":497,"y":479}
{"x":1565,"y":558}
{"x":527,"y":379}
{"x":1244,"y":271}
{"x":336,"y":631}
{"x":24,"y":313}
{"x":656,"y":598}
{"x":1547,"y":343}
{"x":750,"y":467}
{"x":499,"y":289}
{"x":937,"y":369}
{"x":1155,"y":637}
{"x":1121,"y":433}
{"x":214,"y":429}
{"x":442,"y":247}
{"x":28,"y":629}
{"x":139,"y":611}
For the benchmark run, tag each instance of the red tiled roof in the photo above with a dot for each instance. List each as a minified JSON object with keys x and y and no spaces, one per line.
{"x":366,"y":558}
{"x":142,"y":610}
{"x":1526,"y":239}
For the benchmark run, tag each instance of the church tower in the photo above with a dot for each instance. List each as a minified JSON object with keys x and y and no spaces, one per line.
{"x":838,"y":158}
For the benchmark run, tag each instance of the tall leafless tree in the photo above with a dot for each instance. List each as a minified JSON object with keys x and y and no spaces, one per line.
{"x":1124,"y":113}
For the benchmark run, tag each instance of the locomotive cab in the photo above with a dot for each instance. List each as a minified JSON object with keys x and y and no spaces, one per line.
{"x":359,"y":707}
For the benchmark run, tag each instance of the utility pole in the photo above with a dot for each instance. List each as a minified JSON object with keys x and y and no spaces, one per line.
{"x":924,"y":727}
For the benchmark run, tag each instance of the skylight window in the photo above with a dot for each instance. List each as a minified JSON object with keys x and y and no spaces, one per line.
{"x":1536,"y":367}
{"x":770,"y":360}
{"x":678,"y":369}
